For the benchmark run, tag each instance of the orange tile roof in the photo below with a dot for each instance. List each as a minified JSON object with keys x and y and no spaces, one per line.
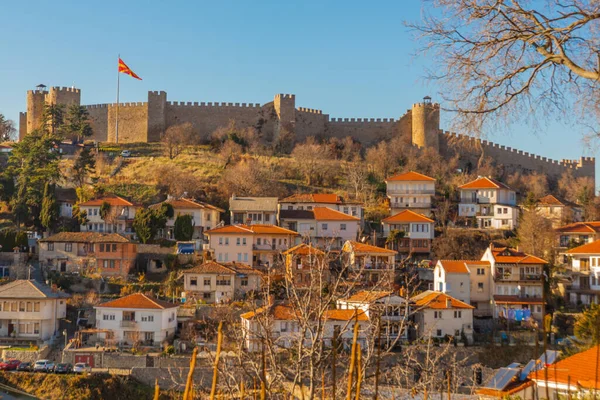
{"x":581,"y":368}
{"x":512,"y":388}
{"x":484,"y":183}
{"x":326,"y":198}
{"x":550,"y":200}
{"x":328,"y":214}
{"x":138,"y":301}
{"x":410,"y":176}
{"x":438,"y":301}
{"x":368,"y":296}
{"x":279,"y":312}
{"x":345,"y":315}
{"x":507,"y":255}
{"x":588,"y":248}
{"x":454,"y":266}
{"x":110,"y":199}
{"x":407,"y":216}
{"x":189,"y":203}
{"x":229,"y":268}
{"x":251,"y":229}
{"x":86,"y":237}
{"x":304,"y":249}
{"x":580,"y":227}
{"x":357,"y":247}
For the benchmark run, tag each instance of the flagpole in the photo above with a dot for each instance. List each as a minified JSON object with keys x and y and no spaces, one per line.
{"x":117,"y":114}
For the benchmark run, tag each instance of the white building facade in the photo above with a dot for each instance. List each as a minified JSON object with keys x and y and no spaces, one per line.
{"x":491,"y":204}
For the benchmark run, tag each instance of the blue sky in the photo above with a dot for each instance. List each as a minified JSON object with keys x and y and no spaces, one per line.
{"x":350,"y":58}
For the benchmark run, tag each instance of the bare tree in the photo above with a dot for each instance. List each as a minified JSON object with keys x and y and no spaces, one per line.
{"x":176,"y":138}
{"x":311,"y":158}
{"x":509,"y":60}
{"x":536,"y":235}
{"x":7,"y":129}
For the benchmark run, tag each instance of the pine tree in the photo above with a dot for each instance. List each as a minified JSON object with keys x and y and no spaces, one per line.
{"x":84,"y":165}
{"x":77,"y":123}
{"x":184,"y":228}
{"x":49,"y":212}
{"x":143,"y":225}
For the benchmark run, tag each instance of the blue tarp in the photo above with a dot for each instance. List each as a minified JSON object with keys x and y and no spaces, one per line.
{"x":185,"y":248}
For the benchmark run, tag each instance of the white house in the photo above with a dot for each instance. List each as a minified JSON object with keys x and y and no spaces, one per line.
{"x":331,"y":228}
{"x":65,"y":199}
{"x":119,"y":216}
{"x":253,"y":210}
{"x":391,"y":308}
{"x":30,"y":311}
{"x":453,"y":278}
{"x":439,"y":315}
{"x":308,"y":202}
{"x":409,"y":233}
{"x":491,"y":203}
{"x":213,"y":282}
{"x":410,"y":191}
{"x":138,"y":318}
{"x":259,"y":245}
{"x":577,"y":233}
{"x":283,"y":323}
{"x":204,"y":216}
{"x":585,"y":273}
{"x":560,"y":212}
{"x":517,"y":288}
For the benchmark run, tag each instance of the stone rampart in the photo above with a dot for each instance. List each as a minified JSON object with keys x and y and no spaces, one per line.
{"x":366,"y":130}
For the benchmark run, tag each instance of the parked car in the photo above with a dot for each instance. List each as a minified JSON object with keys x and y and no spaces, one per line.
{"x":25,"y":366}
{"x":82,"y":368}
{"x":9,"y":365}
{"x":43,"y":366}
{"x":63,"y":368}
{"x":126,"y":153}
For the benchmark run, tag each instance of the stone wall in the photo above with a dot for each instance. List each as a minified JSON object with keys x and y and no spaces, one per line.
{"x":367,"y":131}
{"x":133,"y":122}
{"x":310,"y":122}
{"x":25,"y":355}
{"x":98,"y":116}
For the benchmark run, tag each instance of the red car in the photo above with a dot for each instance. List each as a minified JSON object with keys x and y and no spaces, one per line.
{"x":9,"y":365}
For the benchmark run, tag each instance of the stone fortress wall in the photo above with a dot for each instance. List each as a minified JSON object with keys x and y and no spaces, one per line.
{"x":147,"y":122}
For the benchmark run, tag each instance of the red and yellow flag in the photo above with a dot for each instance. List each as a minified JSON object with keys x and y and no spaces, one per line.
{"x":123,"y":68}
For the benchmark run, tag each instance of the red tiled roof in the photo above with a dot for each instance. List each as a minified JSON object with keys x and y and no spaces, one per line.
{"x":506,"y":255}
{"x":368,"y":296}
{"x":407,"y":216}
{"x":580,"y":227}
{"x":251,"y":229}
{"x":484,"y":183}
{"x":512,"y":388}
{"x":345,"y":315}
{"x":230,"y":268}
{"x":357,"y":247}
{"x":86,"y":237}
{"x":550,"y":200}
{"x":588,"y":248}
{"x":328,"y":214}
{"x":138,"y":301}
{"x":304,"y":249}
{"x":279,"y":312}
{"x":580,"y":370}
{"x":111,"y":199}
{"x":410,"y":176}
{"x":454,"y":266}
{"x":243,"y":229}
{"x":190,"y":204}
{"x":438,"y":301}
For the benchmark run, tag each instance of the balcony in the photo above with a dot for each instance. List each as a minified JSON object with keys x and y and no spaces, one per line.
{"x":267,"y":247}
{"x":397,"y":204}
{"x":400,"y":192}
{"x":530,"y":277}
{"x":128,"y":324}
{"x":377,"y":266}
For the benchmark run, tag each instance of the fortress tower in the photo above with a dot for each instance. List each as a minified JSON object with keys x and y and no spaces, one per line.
{"x":37,"y":99}
{"x":285,"y":108}
{"x":426,"y":124}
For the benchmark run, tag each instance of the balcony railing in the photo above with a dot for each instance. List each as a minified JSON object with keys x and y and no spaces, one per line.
{"x":397,"y":204}
{"x":272,"y":247}
{"x":530,"y":277}
{"x":128,"y":324}
{"x":410,"y":191}
{"x":371,"y":266}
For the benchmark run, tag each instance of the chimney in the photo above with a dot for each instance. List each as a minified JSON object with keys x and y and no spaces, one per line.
{"x":448,"y":303}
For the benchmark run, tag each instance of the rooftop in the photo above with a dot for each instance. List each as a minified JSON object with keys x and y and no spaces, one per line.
{"x":253,"y":229}
{"x":304,"y":249}
{"x":325,"y":198}
{"x":410,"y":176}
{"x":407,"y":216}
{"x":231,"y":268}
{"x":253,"y":203}
{"x":357,"y":247}
{"x":438,"y":301}
{"x":588,"y":248}
{"x":138,"y":301}
{"x":580,"y":227}
{"x":551,"y":200}
{"x":86,"y":237}
{"x":580,"y":370}
{"x":368,"y":296}
{"x":185,"y":203}
{"x":484,"y":183}
{"x":113,"y":200}
{"x":506,"y":255}
{"x":329,"y":214}
{"x":28,"y":289}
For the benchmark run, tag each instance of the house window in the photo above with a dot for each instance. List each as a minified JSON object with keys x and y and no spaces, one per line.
{"x":206,"y":296}
{"x":114,"y":248}
{"x":342,"y":227}
{"x":36,"y":306}
{"x":22,"y":306}
{"x":437,"y":314}
{"x":244,"y":241}
{"x":109,"y":263}
{"x":480,"y":287}
{"x":220,"y":257}
{"x":457,"y":314}
{"x":69,"y":247}
{"x":101,"y":247}
{"x":226,"y":241}
{"x":36,"y":328}
{"x":194,"y":281}
{"x":239,"y":257}
{"x":13,"y":306}
{"x":29,"y":305}
{"x":438,"y":333}
{"x":245,"y":257}
{"x":245,"y":282}
{"x":258,"y":241}
{"x":346,"y":210}
{"x":147,"y":318}
{"x":237,"y":241}
{"x":324,"y":227}
{"x":290,"y":207}
{"x":480,"y":271}
{"x":50,"y":246}
{"x":284,"y":327}
{"x":208,"y":217}
{"x":206,"y":281}
{"x":221,"y":241}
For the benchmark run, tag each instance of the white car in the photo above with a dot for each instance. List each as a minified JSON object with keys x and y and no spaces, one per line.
{"x":126,"y":153}
{"x":43,"y":366}
{"x":82,"y":368}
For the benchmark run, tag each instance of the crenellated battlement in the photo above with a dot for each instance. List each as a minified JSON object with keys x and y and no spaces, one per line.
{"x":362,"y":120}
{"x":285,"y":96}
{"x":37,"y":92}
{"x":309,"y":110}
{"x":65,"y":89}
{"x":94,"y":106}
{"x":433,"y":105}
{"x":157,"y":93}
{"x":211,"y":104}
{"x":569,"y":164}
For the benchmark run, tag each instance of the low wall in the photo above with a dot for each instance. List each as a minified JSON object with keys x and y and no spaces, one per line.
{"x":26,"y":355}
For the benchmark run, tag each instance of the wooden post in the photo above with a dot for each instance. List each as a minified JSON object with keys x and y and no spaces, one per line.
{"x":352,"y":361}
{"x":358,"y":371}
{"x":190,"y":377}
{"x":263,"y":375}
{"x":156,"y":390}
{"x":215,"y":379}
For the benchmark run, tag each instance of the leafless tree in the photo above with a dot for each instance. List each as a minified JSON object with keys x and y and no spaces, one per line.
{"x":356,"y":176}
{"x":176,"y":138}
{"x":311,"y":158}
{"x":511,"y":60}
{"x":7,"y":129}
{"x":535,"y":235}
